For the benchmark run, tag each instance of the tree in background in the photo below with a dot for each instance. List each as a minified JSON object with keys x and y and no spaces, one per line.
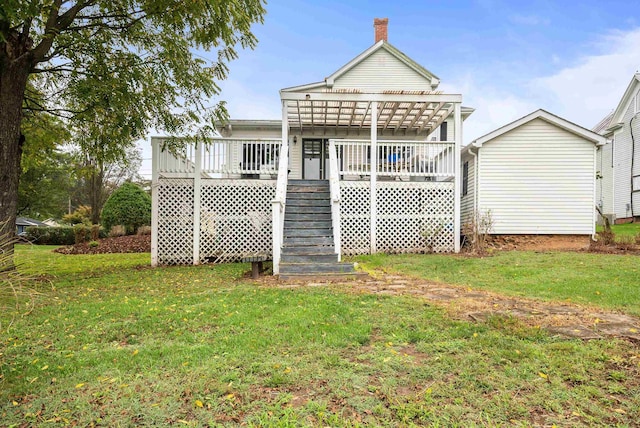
{"x":113,"y":68}
{"x":128,"y":206}
{"x":47,"y":175}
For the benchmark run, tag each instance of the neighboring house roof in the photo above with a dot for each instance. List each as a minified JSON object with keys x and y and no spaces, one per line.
{"x":382,"y":44}
{"x":602,"y":126}
{"x":618,"y":114}
{"x":547,"y":117}
{"x":25,"y":221}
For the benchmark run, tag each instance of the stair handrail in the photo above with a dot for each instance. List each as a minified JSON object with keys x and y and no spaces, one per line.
{"x":334,"y":187}
{"x":278,"y":205}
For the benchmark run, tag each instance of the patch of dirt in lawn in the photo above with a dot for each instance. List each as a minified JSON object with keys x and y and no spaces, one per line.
{"x":539,"y":242}
{"x":561,"y":319}
{"x":120,"y":244}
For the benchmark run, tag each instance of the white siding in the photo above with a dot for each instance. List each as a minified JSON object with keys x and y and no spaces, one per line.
{"x":382,"y":71}
{"x":604,"y":184}
{"x":538,"y":179}
{"x":253,"y":133}
{"x":466,"y":201}
{"x":295,"y":158}
{"x":622,"y":164}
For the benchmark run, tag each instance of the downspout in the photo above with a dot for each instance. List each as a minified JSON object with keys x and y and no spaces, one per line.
{"x":633,"y":149}
{"x":476,"y":171}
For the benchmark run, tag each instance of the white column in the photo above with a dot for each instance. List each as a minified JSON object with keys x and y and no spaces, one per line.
{"x":278,"y":204}
{"x":155,"y":164}
{"x":457,"y":178}
{"x":197,"y":190}
{"x":374,"y":173}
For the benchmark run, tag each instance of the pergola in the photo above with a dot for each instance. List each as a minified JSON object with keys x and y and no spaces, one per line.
{"x":412,"y":113}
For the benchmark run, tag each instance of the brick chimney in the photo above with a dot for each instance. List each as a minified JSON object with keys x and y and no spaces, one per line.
{"x":380,"y":26}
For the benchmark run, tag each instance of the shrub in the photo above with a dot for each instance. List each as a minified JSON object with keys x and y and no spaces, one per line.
{"x":82,"y":215}
{"x":51,"y":235}
{"x":81,"y":233}
{"x":93,"y":244}
{"x":144,"y":230}
{"x":117,"y":230}
{"x":95,"y":232}
{"x":129,"y":206}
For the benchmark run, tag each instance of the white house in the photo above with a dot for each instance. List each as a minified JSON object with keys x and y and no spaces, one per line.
{"x":536,"y":175}
{"x":619,"y":162}
{"x":376,"y":143}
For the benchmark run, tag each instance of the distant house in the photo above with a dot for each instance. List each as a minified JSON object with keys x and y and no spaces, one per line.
{"x":535,"y":175}
{"x":618,"y":190}
{"x":23,"y":222}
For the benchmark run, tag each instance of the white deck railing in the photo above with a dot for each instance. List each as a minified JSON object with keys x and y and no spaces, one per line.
{"x":397,"y":158}
{"x":278,"y":206}
{"x":223,"y":156}
{"x":334,"y":186}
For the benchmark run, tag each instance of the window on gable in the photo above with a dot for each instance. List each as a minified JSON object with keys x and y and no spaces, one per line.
{"x":465,"y":178}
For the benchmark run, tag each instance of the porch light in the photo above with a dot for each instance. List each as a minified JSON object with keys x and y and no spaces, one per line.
{"x":295,"y":139}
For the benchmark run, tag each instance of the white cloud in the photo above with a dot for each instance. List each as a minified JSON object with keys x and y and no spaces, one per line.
{"x":587,"y":91}
{"x":583,"y":92}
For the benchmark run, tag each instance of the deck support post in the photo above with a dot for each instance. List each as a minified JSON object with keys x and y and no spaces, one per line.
{"x":155,"y":168}
{"x":374,"y":173}
{"x":197,"y":191}
{"x":457,"y":117}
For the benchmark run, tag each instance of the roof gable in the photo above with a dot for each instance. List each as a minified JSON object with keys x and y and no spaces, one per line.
{"x":632,"y":90}
{"x":547,"y":117}
{"x":382,"y":47}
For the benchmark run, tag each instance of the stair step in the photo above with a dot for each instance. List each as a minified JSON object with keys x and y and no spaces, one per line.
{"x":309,"y":258}
{"x":314,"y":268}
{"x":308,"y":250}
{"x":308,"y":182}
{"x":295,"y":232}
{"x":306,"y":210}
{"x":308,"y":224}
{"x":308,"y":241}
{"x":308,"y":202}
{"x":310,"y":216}
{"x":323,"y":277}
{"x":308,"y":195}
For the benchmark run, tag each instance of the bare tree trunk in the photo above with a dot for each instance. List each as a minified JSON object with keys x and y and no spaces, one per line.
{"x":97,"y":193}
{"x":14,"y":71}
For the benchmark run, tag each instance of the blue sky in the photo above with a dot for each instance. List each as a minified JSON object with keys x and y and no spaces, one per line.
{"x":506,"y":58}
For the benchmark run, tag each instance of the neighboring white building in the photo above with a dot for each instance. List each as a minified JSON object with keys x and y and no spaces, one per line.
{"x":536,"y":175}
{"x":619,"y":161}
{"x":378,"y":129}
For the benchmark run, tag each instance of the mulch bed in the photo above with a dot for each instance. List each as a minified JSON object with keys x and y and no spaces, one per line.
{"x":120,"y":244}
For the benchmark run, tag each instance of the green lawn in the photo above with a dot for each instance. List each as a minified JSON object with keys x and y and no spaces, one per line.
{"x":629,"y":229}
{"x":114,"y":343}
{"x":606,"y":280}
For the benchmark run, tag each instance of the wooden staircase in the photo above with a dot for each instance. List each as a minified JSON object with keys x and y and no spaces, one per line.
{"x":308,"y":247}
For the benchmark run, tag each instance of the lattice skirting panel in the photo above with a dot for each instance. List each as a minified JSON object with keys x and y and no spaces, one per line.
{"x":412,"y":217}
{"x":175,"y":221}
{"x":235,"y":219}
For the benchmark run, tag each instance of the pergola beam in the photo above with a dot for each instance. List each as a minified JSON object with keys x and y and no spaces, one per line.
{"x":406,"y":114}
{"x":418,"y":115}
{"x":443,"y":117}
{"x":391,"y":115}
{"x":431,"y":116}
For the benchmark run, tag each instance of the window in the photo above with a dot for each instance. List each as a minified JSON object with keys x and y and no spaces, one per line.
{"x":443,"y":131}
{"x":465,"y":178}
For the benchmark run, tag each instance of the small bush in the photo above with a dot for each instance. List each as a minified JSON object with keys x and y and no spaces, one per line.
{"x":95,"y":232}
{"x":93,"y":244}
{"x":81,"y":233}
{"x":82,"y":215}
{"x":144,"y":230}
{"x":51,"y":235}
{"x":129,"y":206}
{"x":117,"y":230}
